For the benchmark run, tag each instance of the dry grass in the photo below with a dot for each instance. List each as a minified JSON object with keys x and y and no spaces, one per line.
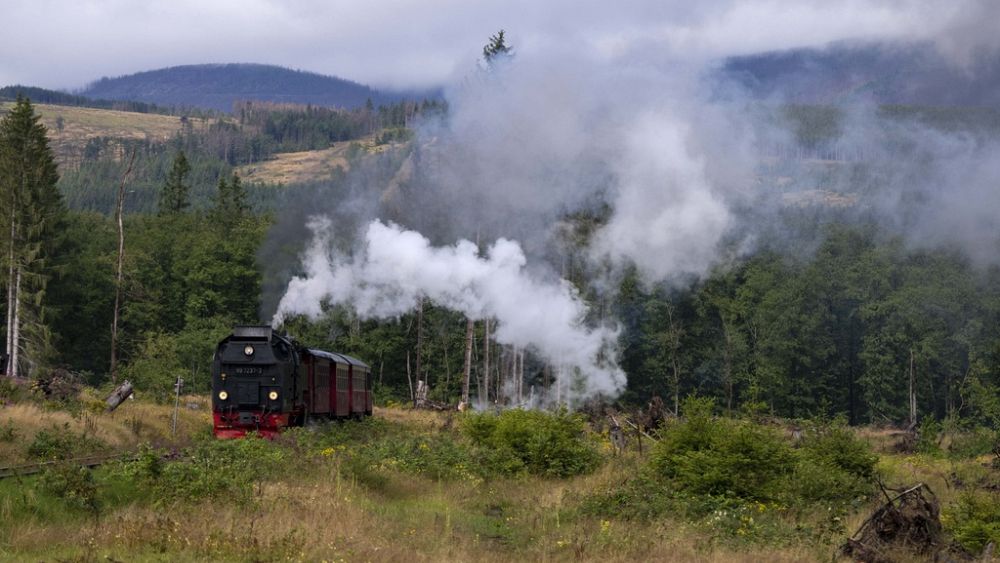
{"x":82,"y":124}
{"x":300,"y":167}
{"x":317,"y":513}
{"x":132,"y":423}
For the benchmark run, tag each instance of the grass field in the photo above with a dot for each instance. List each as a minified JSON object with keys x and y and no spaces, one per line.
{"x":308,"y":497}
{"x":80,"y":124}
{"x":299,"y":167}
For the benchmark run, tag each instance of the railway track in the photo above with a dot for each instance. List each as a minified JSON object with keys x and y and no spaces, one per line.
{"x":32,"y":468}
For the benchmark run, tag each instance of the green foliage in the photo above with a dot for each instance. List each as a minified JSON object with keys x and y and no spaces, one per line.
{"x":541,"y":443}
{"x":836,"y":447}
{"x":163,"y":357}
{"x":973,"y":443}
{"x":8,"y":432}
{"x":724,"y":457}
{"x":721,"y":457}
{"x":74,"y":484}
{"x":833,"y":466}
{"x":59,"y":442}
{"x":974,"y":520}
{"x":929,"y":436}
{"x":394,"y":135}
{"x":228,"y":470}
{"x":175,"y":197}
{"x":32,"y":216}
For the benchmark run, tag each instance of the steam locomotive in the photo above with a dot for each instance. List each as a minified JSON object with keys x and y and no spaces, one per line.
{"x":263,"y":382}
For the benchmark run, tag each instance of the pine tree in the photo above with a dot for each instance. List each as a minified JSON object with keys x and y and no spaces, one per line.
{"x":230,"y":202}
{"x":32,"y":212}
{"x":175,"y":197}
{"x":497,"y":49}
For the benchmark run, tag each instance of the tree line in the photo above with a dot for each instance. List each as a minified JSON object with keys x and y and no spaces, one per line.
{"x":187,"y":276}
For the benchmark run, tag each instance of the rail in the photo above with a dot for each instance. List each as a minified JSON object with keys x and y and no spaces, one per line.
{"x":38,"y":467}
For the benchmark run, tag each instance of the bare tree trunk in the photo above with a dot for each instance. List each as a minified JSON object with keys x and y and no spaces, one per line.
{"x":420,"y":335}
{"x":118,"y":271}
{"x":409,"y":379}
{"x":17,"y":325}
{"x":10,"y":305}
{"x":913,"y":393}
{"x":467,"y":368}
{"x":485,"y":399}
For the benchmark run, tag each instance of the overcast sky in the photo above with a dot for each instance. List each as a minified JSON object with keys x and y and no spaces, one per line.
{"x":415,"y":43}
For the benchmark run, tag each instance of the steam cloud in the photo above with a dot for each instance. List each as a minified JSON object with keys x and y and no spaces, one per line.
{"x":396,"y":267}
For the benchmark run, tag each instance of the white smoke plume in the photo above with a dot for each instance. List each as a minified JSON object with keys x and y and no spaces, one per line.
{"x":394,"y":268}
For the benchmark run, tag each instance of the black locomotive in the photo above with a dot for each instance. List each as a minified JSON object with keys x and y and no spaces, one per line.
{"x":263,"y":382}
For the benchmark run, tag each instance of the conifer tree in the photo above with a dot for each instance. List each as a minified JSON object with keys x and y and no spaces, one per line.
{"x":31,"y":212}
{"x":230,"y":202}
{"x":175,"y":197}
{"x":496,"y":49}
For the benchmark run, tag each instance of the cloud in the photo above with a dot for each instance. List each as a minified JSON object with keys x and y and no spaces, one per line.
{"x":64,"y":43}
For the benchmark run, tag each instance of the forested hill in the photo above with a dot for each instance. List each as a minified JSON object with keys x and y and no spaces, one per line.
{"x":217,"y":86}
{"x":914,"y":74}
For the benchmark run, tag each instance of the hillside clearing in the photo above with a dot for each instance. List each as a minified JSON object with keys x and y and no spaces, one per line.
{"x":80,"y":124}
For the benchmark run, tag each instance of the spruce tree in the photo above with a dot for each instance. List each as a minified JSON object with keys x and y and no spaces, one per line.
{"x":32,"y":213}
{"x":497,"y":49}
{"x":175,"y":197}
{"x":230,"y":202}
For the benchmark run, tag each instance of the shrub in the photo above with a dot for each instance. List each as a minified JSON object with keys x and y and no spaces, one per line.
{"x":837,"y":448}
{"x":541,"y":443}
{"x":52,"y":443}
{"x":74,"y":484}
{"x":8,"y":432}
{"x":974,"y":443}
{"x":975,"y":520}
{"x":726,"y":457}
{"x":223,"y":469}
{"x":928,"y":436}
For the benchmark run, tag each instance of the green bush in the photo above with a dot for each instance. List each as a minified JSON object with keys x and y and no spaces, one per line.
{"x":74,"y":484}
{"x":541,"y":443}
{"x":838,"y":448}
{"x":718,"y":456}
{"x":220,"y":469}
{"x":53,"y":443}
{"x":974,"y":520}
{"x":8,"y":432}
{"x":723,"y":460}
{"x":833,"y":466}
{"x":928,"y":436}
{"x":59,"y":442}
{"x":974,"y":443}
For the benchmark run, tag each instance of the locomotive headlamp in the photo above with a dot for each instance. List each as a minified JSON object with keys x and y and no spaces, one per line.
{"x":248,"y":351}
{"x":273,"y":395}
{"x":223,"y":395}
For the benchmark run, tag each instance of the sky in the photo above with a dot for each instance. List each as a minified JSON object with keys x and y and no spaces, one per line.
{"x":66,"y":44}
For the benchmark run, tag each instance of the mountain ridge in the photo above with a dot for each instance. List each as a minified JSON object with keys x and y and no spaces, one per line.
{"x":218,"y":86}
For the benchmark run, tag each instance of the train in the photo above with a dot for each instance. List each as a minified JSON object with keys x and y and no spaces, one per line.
{"x":264,"y":382}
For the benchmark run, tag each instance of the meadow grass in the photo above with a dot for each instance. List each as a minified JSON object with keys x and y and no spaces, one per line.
{"x":322,"y":504}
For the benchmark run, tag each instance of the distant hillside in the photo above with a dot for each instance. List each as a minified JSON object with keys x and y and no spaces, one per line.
{"x":55,"y":97}
{"x":914,"y":74}
{"x":217,"y":86}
